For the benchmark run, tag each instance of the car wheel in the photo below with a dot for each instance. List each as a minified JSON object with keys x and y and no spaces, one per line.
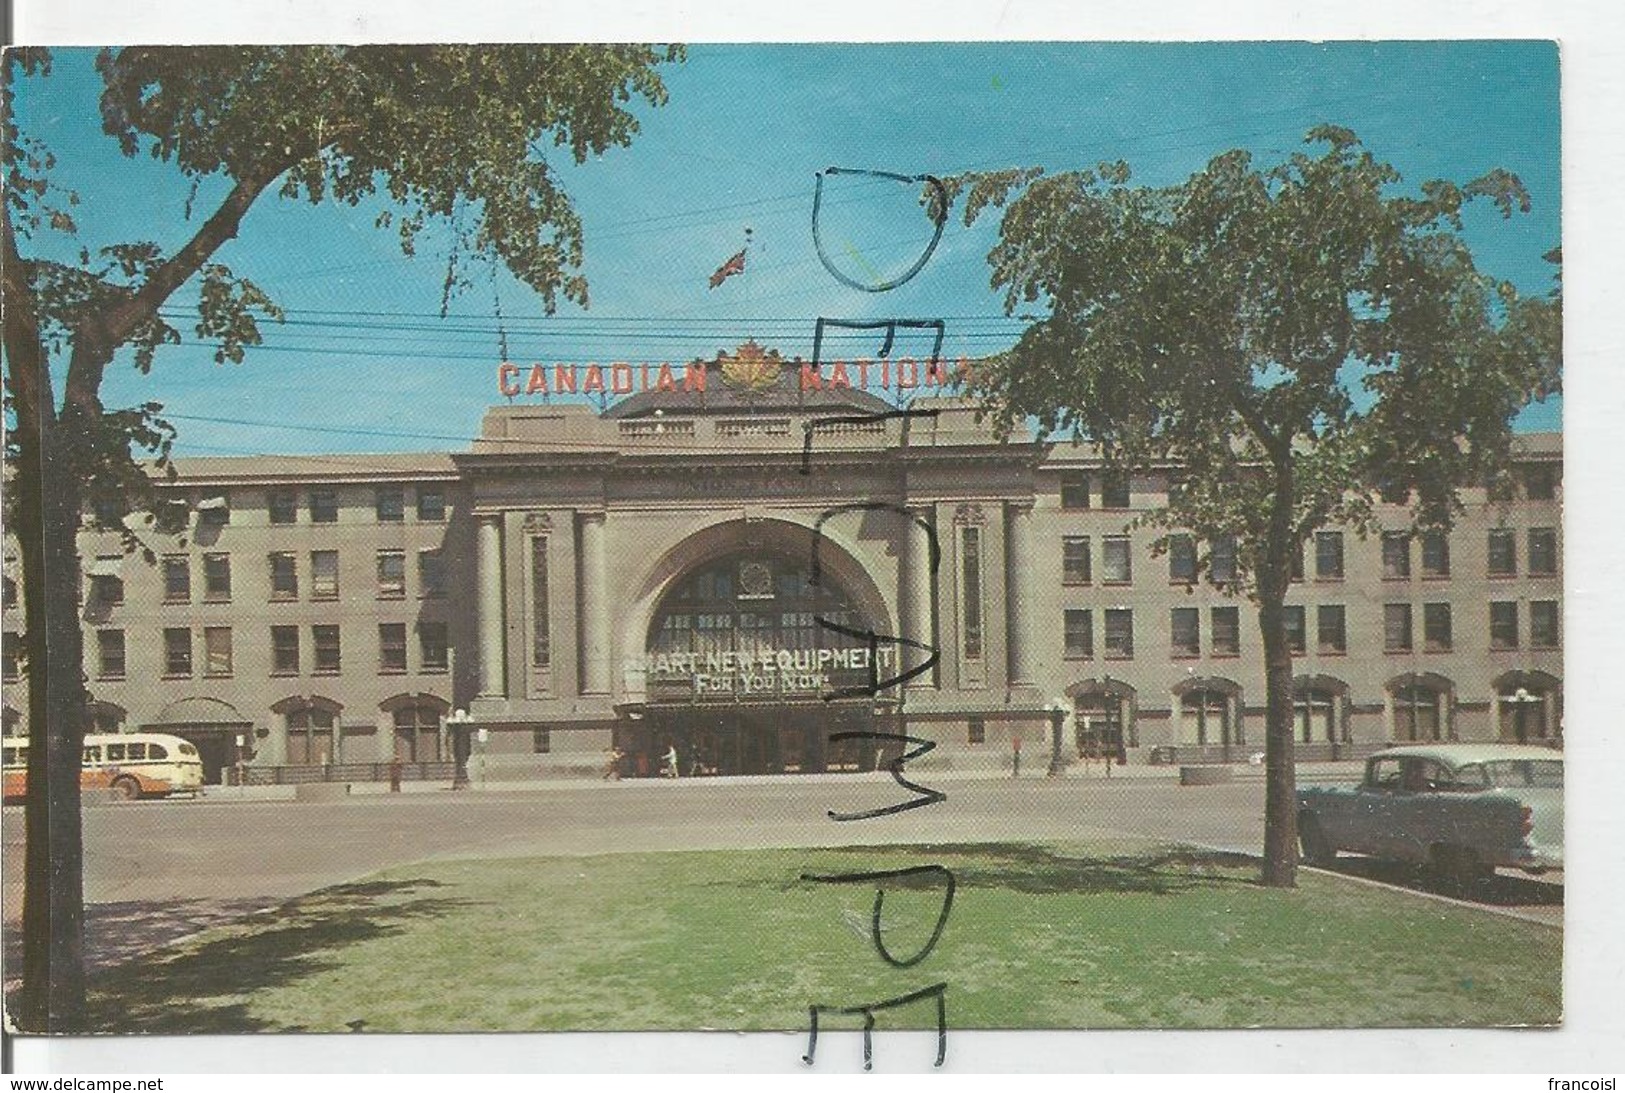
{"x":126,"y":788}
{"x":1460,"y":866}
{"x":1317,"y":849}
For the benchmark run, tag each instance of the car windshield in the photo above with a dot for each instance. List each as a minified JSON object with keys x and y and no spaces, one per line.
{"x":1521,"y":773}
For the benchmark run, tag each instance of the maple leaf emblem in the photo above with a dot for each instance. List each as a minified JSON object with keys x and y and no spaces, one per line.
{"x":750,"y":368}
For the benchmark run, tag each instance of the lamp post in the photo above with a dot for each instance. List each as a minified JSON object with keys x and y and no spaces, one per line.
{"x":1520,"y":701}
{"x":459,"y":723}
{"x":1057,"y":717}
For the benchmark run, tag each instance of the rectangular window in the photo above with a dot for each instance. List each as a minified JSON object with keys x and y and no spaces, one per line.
{"x":1503,"y":553}
{"x":391,"y":574}
{"x":1074,"y":491}
{"x":1076,"y":566}
{"x":391,"y":647}
{"x":1225,"y":624}
{"x":433,"y":647}
{"x":214,"y":511}
{"x":1503,"y":625}
{"x":1542,"y":552}
{"x":325,"y":641}
{"x":1119,"y":632}
{"x":284,"y":650}
{"x":431,"y":503}
{"x":1396,"y":627}
{"x":389,"y":502}
{"x":324,"y":574}
{"x":975,"y":731}
{"x":1436,"y":627}
{"x":1222,"y":560}
{"x":1114,"y":492}
{"x":1328,"y":555}
{"x":541,"y":633}
{"x":1296,"y":638}
{"x":1116,"y":566}
{"x":1543,"y":624}
{"x":1181,"y":559}
{"x":282,"y":506}
{"x":177,"y":579}
{"x":1540,"y":482}
{"x":110,"y":654}
{"x":324,"y":506}
{"x":177,"y":652}
{"x":217,"y":577}
{"x":541,"y":741}
{"x":284,"y":576}
{"x":1080,"y":633}
{"x":970,"y":556}
{"x":10,"y":668}
{"x":1396,"y":555}
{"x":217,"y":650}
{"x":1331,"y":634}
{"x":1394,"y":493}
{"x":106,"y":589}
{"x":431,"y":574}
{"x":1186,"y":629}
{"x":1435,"y":554}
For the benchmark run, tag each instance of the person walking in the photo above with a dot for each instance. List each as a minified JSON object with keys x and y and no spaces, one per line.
{"x":1015,"y":757}
{"x":671,"y":761}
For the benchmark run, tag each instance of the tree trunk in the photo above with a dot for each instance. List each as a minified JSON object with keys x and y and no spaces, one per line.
{"x":1280,"y":775}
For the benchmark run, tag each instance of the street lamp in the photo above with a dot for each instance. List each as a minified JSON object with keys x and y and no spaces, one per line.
{"x":459,"y":723}
{"x":1057,"y":710}
{"x":1521,"y":700}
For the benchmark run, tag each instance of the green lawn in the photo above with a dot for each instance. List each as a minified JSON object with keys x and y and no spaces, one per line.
{"x":1051,"y":936}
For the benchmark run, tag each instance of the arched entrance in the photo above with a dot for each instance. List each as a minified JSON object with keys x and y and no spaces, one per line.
{"x":1209,"y":712}
{"x":751,"y":664}
{"x":1529,"y":707}
{"x":1103,"y":718}
{"x":216,"y":728}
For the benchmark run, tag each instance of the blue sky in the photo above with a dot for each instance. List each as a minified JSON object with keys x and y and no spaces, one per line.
{"x":365,"y":363}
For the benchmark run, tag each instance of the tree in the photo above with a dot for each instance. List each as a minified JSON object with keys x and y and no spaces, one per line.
{"x":450,"y":133}
{"x":1297,"y":338}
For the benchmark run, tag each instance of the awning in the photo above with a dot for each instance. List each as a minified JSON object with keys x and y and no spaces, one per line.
{"x":107,"y":567}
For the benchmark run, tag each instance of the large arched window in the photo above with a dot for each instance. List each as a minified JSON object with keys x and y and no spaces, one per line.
{"x":1421,"y":707}
{"x":1317,"y":709}
{"x":311,"y":732}
{"x":1209,"y":713}
{"x":751,"y":603}
{"x":1527,"y":707}
{"x":1103,"y":717}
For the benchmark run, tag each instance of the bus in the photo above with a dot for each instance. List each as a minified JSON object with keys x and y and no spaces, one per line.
{"x":128,"y":765}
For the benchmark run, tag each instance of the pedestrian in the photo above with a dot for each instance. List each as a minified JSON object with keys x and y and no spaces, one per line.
{"x":1015,"y":760}
{"x":612,"y":768}
{"x":671,"y":761}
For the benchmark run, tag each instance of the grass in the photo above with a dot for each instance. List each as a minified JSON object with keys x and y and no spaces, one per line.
{"x":1040,"y":936}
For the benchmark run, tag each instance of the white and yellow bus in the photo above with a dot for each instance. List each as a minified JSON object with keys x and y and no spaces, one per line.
{"x":128,"y":765}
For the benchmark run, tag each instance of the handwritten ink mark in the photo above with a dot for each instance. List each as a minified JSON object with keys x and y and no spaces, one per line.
{"x":937,"y":990}
{"x":812,"y":426}
{"x":880,"y":898}
{"x":890,"y":326}
{"x":927,"y":796}
{"x":938,"y":215}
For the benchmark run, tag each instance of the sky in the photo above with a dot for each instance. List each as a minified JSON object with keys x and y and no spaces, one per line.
{"x":365,"y":362}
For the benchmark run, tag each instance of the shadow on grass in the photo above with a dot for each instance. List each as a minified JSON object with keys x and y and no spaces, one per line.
{"x":1040,"y":870}
{"x":204,"y":987}
{"x":1500,"y":890}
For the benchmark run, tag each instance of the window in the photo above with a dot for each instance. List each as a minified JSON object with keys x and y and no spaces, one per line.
{"x":1396,"y":627}
{"x":1396,"y":555}
{"x":110,"y":654}
{"x":325,"y":640}
{"x":177,"y":579}
{"x":282,"y":507}
{"x":1222,"y":560}
{"x":217,"y":650}
{"x":1417,"y":713}
{"x":541,"y":741}
{"x":541,"y":632}
{"x":1074,"y":491}
{"x":1435,"y":554}
{"x":1114,"y":492}
{"x":1186,"y":629}
{"x":284,"y":650}
{"x":970,"y":556}
{"x":1542,"y":552}
{"x":1225,"y":627}
{"x":1296,"y":637}
{"x":1181,"y":559}
{"x":1204,"y":718}
{"x":1503,"y":625}
{"x":431,"y":574}
{"x":1331,"y":635}
{"x":106,"y":589}
{"x":431,"y":503}
{"x":1503,"y":553}
{"x":10,"y":668}
{"x":1116,"y":567}
{"x":324,"y":506}
{"x":391,"y":574}
{"x":1080,"y":633}
{"x":1314,"y":707}
{"x":310,"y":735}
{"x":1543,"y":624}
{"x":324,"y":574}
{"x":1540,"y":482}
{"x":217,"y":577}
{"x":392,"y":647}
{"x":975,"y":731}
{"x":1075,"y":560}
{"x":417,"y":734}
{"x":214,"y":511}
{"x":108,"y":511}
{"x":10,"y":595}
{"x":1328,"y":555}
{"x":389,"y":503}
{"x":284,"y":576}
{"x":1119,"y":632}
{"x":433,"y":647}
{"x":177,"y":652}
{"x":1436,"y":627}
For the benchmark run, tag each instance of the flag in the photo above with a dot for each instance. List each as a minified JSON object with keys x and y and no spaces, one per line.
{"x":734,"y":265}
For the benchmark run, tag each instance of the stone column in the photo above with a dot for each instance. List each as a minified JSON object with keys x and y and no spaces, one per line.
{"x":915,"y":580}
{"x":1018,"y":593}
{"x":594,"y":607}
{"x":488,"y":571}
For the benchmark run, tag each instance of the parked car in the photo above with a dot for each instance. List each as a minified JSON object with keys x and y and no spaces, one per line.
{"x":1462,"y":809}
